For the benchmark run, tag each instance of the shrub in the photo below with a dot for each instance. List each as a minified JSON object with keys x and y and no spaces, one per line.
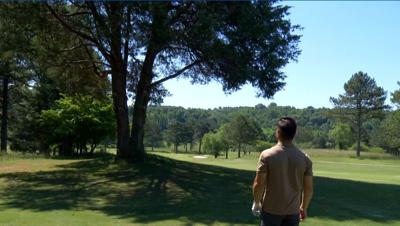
{"x":377,"y":150}
{"x":363,"y":147}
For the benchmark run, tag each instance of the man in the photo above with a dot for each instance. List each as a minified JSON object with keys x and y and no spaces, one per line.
{"x":283,"y":185}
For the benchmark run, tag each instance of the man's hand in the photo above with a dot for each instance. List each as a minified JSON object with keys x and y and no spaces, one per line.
{"x":303,"y":214}
{"x":256,"y":209}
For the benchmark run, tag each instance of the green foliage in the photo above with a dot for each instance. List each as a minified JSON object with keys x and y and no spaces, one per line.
{"x":269,"y":135}
{"x":242,"y":130}
{"x":362,"y":100}
{"x":309,"y":137}
{"x":342,"y":136}
{"x":214,"y":143}
{"x":387,"y":135}
{"x":363,"y":147}
{"x":261,"y":145}
{"x":178,"y":133}
{"x":376,"y":149}
{"x":153,"y":136}
{"x":77,"y":121}
{"x":313,"y":123}
{"x":42,"y":58}
{"x":396,"y":96}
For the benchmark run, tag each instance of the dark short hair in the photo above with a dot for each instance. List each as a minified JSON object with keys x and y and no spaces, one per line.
{"x":288,"y":127}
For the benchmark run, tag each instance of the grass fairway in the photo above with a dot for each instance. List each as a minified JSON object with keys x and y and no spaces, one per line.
{"x":177,"y":189}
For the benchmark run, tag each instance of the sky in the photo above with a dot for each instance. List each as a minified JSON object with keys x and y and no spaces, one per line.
{"x":339,"y":38}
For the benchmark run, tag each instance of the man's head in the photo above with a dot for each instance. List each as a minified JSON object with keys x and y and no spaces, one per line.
{"x":286,"y":129}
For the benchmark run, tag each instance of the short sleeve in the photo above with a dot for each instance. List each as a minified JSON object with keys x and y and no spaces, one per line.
{"x":262,"y":165}
{"x":309,"y":168}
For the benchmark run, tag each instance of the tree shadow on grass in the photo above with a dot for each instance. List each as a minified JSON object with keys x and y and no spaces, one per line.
{"x":166,"y":189}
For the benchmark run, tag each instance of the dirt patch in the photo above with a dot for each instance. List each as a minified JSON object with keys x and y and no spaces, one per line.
{"x":15,"y":167}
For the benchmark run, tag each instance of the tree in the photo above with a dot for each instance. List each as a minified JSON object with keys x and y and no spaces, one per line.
{"x":342,"y":136}
{"x":37,"y":65}
{"x":153,"y":131}
{"x":15,"y":39}
{"x":387,"y":135}
{"x":175,"y":134}
{"x":362,"y":100}
{"x":396,"y":96}
{"x":202,"y":125}
{"x":187,"y":135}
{"x":242,"y":130}
{"x":77,"y":121}
{"x":214,"y":143}
{"x":4,"y":105}
{"x":235,"y":43}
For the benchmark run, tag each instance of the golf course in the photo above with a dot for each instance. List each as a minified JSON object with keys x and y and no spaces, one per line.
{"x":131,"y":113}
{"x":187,"y":189}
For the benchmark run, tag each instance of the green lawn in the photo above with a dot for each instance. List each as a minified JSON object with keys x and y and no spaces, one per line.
{"x":178,"y":189}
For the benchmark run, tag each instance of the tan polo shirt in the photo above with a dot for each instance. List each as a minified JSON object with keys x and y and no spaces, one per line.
{"x":285,"y":168}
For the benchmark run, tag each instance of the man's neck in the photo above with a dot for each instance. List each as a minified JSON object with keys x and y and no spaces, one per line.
{"x":285,"y":142}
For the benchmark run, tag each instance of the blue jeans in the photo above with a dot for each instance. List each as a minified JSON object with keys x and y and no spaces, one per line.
{"x":268,"y":219}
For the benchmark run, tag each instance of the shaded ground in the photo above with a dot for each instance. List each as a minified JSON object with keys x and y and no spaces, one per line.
{"x":163,"y":189}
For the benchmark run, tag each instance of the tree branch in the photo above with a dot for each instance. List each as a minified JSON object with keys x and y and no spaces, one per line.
{"x":66,"y":25}
{"x":79,"y":33}
{"x":76,"y":14}
{"x":176,"y":74}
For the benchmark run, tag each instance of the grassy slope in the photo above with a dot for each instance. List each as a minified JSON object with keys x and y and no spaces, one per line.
{"x":172,"y":189}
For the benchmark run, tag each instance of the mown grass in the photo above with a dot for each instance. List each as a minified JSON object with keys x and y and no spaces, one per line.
{"x":177,"y":189}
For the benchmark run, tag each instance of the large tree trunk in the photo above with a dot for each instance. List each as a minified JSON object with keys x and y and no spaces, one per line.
{"x":239,"y":150}
{"x":143,"y":90}
{"x":119,"y":73}
{"x":121,"y":112}
{"x":4,"y":116}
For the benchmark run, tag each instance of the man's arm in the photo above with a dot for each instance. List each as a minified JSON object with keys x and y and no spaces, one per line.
{"x":259,"y":185}
{"x":307,"y":195}
{"x":258,"y":191}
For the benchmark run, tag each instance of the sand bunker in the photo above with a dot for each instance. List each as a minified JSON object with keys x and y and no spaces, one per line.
{"x":200,"y":156}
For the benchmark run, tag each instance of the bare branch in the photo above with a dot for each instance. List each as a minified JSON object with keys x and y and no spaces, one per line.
{"x":75,"y":47}
{"x":176,"y":74}
{"x":95,"y":68}
{"x":76,"y":14}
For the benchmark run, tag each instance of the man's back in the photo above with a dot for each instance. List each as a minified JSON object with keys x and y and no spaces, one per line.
{"x":285,"y":168}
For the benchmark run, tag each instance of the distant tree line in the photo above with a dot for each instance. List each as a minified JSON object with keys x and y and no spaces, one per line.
{"x":360,"y":121}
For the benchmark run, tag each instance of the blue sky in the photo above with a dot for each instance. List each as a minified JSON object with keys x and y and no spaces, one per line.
{"x":339,"y":39}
